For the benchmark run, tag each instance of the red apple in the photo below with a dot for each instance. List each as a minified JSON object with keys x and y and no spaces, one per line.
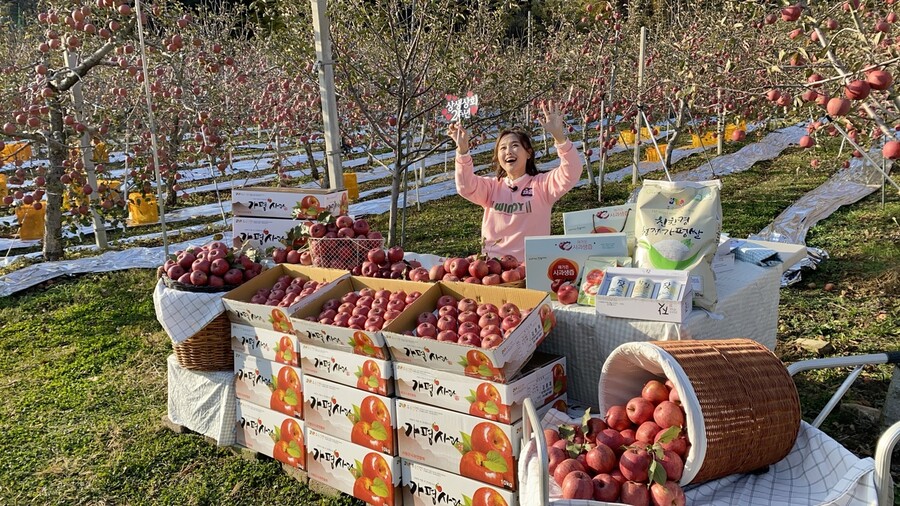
{"x":647,"y":432}
{"x":448,"y":336}
{"x":361,"y":227}
{"x":491,"y":329}
{"x":426,"y":330}
{"x":617,"y":418}
{"x":655,"y":392}
{"x":448,"y":311}
{"x":564,"y":468}
{"x":557,"y":455}
{"x":510,"y":322}
{"x":635,"y":464}
{"x":470,"y":339}
{"x":467,"y":305}
{"x":600,"y":459}
{"x":508,"y":262}
{"x":467,"y":327}
{"x":567,"y":293}
{"x":494,"y":267}
{"x":577,"y":485}
{"x":459,"y":267}
{"x":478,"y":269}
{"x":668,"y":414}
{"x":491,"y":279}
{"x":634,"y":493}
{"x":639,"y":410}
{"x":612,"y":439}
{"x":376,"y":256}
{"x":485,"y":308}
{"x":491,"y":341}
{"x":673,"y":465}
{"x":446,"y":300}
{"x":427,"y":317}
{"x":606,"y":488}
{"x":489,"y":319}
{"x":508,"y":309}
{"x":436,"y":273}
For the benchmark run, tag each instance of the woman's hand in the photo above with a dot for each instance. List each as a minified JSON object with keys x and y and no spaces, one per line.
{"x":553,"y":121}
{"x":460,"y":137}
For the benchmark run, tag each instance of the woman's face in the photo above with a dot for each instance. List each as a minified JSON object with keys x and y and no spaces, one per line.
{"x":512,"y":155}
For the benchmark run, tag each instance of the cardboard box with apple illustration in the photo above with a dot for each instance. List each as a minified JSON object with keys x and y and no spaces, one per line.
{"x":370,"y":343}
{"x":240,"y":310}
{"x":551,"y":260}
{"x":271,"y":433}
{"x":358,"y":371}
{"x":268,"y":384}
{"x":602,"y":220}
{"x":497,"y":364}
{"x":353,"y":469}
{"x":357,"y":416}
{"x":473,"y":447}
{"x":281,"y":347}
{"x":427,"y":486}
{"x":263,"y":233}
{"x":543,"y":379}
{"x":300,"y":203}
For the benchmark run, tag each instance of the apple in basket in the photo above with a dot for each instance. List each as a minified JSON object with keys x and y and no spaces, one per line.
{"x":212,"y":264}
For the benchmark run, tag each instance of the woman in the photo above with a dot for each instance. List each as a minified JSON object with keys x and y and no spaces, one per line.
{"x":518,"y":200}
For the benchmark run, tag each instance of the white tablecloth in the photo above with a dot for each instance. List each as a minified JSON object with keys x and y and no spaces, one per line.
{"x":202,"y":401}
{"x":748,"y":307}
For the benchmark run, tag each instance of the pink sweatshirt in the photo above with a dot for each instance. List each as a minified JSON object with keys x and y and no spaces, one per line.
{"x":510,"y":216}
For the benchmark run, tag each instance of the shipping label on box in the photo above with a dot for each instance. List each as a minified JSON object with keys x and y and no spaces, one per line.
{"x":264,"y":233}
{"x":281,"y":347}
{"x":645,"y":294}
{"x":241,"y":310}
{"x":602,"y":220}
{"x":427,"y":486}
{"x":353,"y":469}
{"x":299,"y":203}
{"x":498,"y":364}
{"x":370,"y":343}
{"x":268,"y":384}
{"x":473,"y":447}
{"x":271,"y":433}
{"x":358,"y":371}
{"x":360,"y":417}
{"x":559,"y":258}
{"x":543,"y":379}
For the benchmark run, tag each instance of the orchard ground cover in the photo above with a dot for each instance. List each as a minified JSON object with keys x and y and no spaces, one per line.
{"x":85,"y":387}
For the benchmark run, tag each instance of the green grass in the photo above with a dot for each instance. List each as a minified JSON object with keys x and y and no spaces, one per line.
{"x":83,"y":388}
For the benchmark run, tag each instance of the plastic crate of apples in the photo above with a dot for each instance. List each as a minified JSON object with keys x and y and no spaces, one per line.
{"x":635,"y":455}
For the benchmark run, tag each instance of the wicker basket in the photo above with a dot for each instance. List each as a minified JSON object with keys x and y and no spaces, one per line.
{"x":341,"y":252}
{"x":209,"y":349}
{"x":741,"y":405}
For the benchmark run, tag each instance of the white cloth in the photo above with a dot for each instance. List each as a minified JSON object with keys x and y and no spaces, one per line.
{"x":183,"y":314}
{"x":748,"y":307}
{"x":817,"y":471}
{"x":204,"y":402}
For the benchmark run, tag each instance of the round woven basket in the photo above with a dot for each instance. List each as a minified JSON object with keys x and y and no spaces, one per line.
{"x":741,"y":405}
{"x":182,"y":287}
{"x":209,"y":349}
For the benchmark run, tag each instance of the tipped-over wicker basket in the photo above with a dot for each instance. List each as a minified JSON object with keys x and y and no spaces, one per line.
{"x":741,"y":405}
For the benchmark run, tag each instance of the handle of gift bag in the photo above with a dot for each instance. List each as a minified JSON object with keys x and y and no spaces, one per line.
{"x":531,"y":423}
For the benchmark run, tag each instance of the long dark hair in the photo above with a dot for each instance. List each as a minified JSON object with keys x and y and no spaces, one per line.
{"x":525,"y":139}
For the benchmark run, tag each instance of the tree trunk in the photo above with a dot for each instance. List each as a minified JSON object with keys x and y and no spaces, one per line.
{"x":395,"y":199}
{"x":584,"y":149}
{"x":53,"y":245}
{"x":679,"y":126}
{"x":313,"y":170}
{"x":174,"y":147}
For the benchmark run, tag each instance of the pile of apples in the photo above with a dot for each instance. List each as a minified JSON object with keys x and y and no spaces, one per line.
{"x":212,"y":264}
{"x":388,"y":264}
{"x":467,"y":322}
{"x":367,"y":309}
{"x":286,"y":291}
{"x":635,"y":455}
{"x":477,"y":269}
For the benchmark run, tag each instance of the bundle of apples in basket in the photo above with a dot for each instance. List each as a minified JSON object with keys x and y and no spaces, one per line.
{"x":633,"y":456}
{"x":211,"y":267}
{"x":334,"y":242}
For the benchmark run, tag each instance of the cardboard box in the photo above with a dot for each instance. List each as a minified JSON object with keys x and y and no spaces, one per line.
{"x":427,"y":486}
{"x":498,"y":364}
{"x":281,"y":347}
{"x":268,"y":384}
{"x":357,"y":371}
{"x":562,"y":257}
{"x":459,"y":443}
{"x":271,"y":433}
{"x":264,"y":233}
{"x":602,"y":220}
{"x":241,"y":310}
{"x":361,"y":342}
{"x":300,"y":203}
{"x":592,"y":276}
{"x":360,"y":417}
{"x":676,"y":310}
{"x":353,"y":469}
{"x":543,"y":379}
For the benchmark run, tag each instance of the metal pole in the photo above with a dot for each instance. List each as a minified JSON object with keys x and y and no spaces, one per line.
{"x":160,"y":201}
{"x":326,"y":91}
{"x":602,"y":142}
{"x":637,"y":119}
{"x":87,"y":157}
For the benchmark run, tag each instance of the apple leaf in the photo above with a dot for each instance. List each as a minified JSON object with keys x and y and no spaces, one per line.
{"x":357,"y":470}
{"x":355,"y":416}
{"x":358,"y":372}
{"x":491,"y":408}
{"x":378,"y":431}
{"x":290,"y":397}
{"x":467,"y":501}
{"x":669,"y":434}
{"x":495,"y":462}
{"x":574,"y":449}
{"x":585,"y":418}
{"x":380,"y":488}
{"x":657,"y":473}
{"x":369,"y":350}
{"x":471,"y":397}
{"x":373,"y":382}
{"x":485,"y":371}
{"x":567,"y":432}
{"x":463,"y":362}
{"x":352,"y":342}
{"x":467,"y":442}
{"x":557,"y":386}
{"x":294,"y":450}
{"x":274,"y":384}
{"x":277,"y":435}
